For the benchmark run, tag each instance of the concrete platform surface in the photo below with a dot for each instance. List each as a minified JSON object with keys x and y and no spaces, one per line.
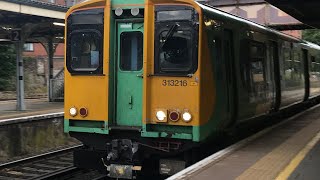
{"x":279,"y":153}
{"x":33,"y":107}
{"x":309,"y":167}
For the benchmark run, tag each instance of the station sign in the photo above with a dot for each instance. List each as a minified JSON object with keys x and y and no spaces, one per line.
{"x":15,"y":35}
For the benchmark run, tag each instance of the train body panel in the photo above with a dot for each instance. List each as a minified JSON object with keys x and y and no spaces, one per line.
{"x":151,"y":77}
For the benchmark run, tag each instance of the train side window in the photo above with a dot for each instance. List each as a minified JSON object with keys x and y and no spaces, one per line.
{"x":288,"y":67}
{"x":257,"y":71}
{"x":313,"y":67}
{"x":257,"y":57}
{"x":297,"y":66}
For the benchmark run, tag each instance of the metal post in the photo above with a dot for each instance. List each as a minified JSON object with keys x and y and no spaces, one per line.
{"x":50,"y":67}
{"x":20,"y":80}
{"x":267,"y":18}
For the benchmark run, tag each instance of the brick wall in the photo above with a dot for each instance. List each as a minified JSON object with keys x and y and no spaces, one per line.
{"x":257,"y":11}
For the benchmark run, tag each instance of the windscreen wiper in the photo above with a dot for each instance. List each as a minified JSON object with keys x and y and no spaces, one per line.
{"x":172,"y":29}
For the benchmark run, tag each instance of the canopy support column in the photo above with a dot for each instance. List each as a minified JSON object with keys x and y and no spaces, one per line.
{"x":20,"y":77}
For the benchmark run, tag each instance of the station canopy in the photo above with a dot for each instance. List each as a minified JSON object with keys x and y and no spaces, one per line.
{"x":306,"y":11}
{"x":35,"y":19}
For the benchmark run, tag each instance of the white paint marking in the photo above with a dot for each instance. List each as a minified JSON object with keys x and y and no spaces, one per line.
{"x":30,"y":118}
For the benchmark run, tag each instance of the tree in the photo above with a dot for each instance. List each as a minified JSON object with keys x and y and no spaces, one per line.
{"x":312,"y":35}
{"x":7,"y":67}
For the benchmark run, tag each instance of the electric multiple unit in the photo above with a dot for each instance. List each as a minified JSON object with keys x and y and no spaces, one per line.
{"x":157,"y":78}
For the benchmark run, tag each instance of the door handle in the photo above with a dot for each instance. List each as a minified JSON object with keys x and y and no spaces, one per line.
{"x":140,"y":75}
{"x":130,"y":102}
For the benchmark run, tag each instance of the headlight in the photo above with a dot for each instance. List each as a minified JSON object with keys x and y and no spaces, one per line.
{"x":118,"y":11}
{"x":161,"y":116}
{"x":73,"y":111}
{"x":186,"y":116}
{"x":134,"y":11}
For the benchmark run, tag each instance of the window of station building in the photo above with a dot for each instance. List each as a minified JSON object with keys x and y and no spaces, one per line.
{"x":28,"y":47}
{"x":86,"y":51}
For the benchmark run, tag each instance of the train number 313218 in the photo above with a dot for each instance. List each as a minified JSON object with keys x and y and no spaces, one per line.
{"x":174,"y":83}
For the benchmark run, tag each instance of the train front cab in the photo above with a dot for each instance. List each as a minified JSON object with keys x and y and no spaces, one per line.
{"x":133,"y":79}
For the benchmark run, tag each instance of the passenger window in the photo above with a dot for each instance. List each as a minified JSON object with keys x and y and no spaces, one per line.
{"x":85,"y":51}
{"x":297,"y":66}
{"x":131,"y":51}
{"x":257,"y":56}
{"x":257,"y":72}
{"x":288,"y":67}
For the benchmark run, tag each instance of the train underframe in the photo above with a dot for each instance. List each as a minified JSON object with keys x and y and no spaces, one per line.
{"x":127,"y":155}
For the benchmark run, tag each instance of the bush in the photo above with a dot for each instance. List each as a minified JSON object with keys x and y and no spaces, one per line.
{"x":312,"y":35}
{"x":7,"y":67}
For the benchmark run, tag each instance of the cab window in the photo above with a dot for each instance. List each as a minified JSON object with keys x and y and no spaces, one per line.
{"x":85,"y":51}
{"x":176,"y":40}
{"x":84,"y":38}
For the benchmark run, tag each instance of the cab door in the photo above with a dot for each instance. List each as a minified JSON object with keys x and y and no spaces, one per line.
{"x":129,"y":72}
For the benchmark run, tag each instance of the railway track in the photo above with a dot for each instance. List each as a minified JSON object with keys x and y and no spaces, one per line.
{"x":45,"y":166}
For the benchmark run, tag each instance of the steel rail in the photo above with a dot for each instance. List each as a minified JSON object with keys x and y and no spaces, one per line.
{"x":40,"y":168}
{"x":37,"y":157}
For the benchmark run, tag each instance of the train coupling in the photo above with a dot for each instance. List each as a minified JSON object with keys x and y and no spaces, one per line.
{"x":120,"y":157}
{"x":122,"y":171}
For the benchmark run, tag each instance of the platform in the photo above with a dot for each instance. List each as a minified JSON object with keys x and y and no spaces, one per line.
{"x":34,"y":107}
{"x":288,"y":150}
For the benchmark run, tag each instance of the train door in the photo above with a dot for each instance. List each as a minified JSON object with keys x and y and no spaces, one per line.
{"x":230,"y":76}
{"x":129,"y":83}
{"x":306,"y":73}
{"x":274,"y":91}
{"x":260,"y":75}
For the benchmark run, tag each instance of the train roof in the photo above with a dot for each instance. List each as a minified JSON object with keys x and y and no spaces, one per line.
{"x":208,"y":7}
{"x":311,"y":45}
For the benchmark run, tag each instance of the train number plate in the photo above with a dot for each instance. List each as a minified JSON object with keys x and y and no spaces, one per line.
{"x":174,"y":83}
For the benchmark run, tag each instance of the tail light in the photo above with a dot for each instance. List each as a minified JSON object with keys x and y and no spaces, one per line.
{"x":83,"y":112}
{"x":174,"y":116}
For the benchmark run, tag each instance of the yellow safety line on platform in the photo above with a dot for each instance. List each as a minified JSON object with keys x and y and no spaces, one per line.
{"x":285,"y":174}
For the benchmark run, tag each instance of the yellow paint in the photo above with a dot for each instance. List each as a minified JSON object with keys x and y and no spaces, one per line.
{"x":193,"y":84}
{"x":207,"y":89}
{"x":157,"y":96}
{"x":147,"y":57}
{"x":285,"y":174}
{"x":87,"y":4}
{"x":90,"y":91}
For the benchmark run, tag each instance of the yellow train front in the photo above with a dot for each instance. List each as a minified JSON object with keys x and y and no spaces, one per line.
{"x":155,"y":78}
{"x":122,"y":101}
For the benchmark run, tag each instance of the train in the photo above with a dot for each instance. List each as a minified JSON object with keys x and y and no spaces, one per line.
{"x":157,"y":78}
